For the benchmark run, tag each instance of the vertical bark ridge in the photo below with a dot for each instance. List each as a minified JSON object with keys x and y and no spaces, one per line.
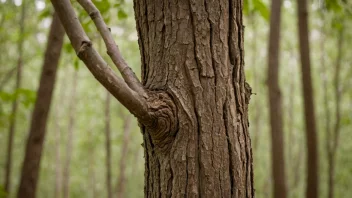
{"x":193,"y":50}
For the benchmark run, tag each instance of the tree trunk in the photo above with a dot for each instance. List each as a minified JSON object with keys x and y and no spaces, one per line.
{"x":13,"y":116}
{"x":31,"y":163}
{"x":275,"y":102}
{"x":58,"y":139}
{"x":193,"y":61}
{"x":335,"y":141}
{"x":310,"y":125}
{"x":66,"y":171}
{"x":91,"y":167}
{"x":122,"y":177}
{"x":107,"y":144}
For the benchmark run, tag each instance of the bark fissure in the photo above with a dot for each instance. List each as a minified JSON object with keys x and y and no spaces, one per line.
{"x":201,"y":61}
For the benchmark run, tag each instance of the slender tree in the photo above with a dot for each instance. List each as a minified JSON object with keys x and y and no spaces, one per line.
{"x":13,"y":117}
{"x":91,"y":167}
{"x":121,"y":182}
{"x":34,"y":147}
{"x":107,"y":144}
{"x":307,"y":87}
{"x":192,"y":104}
{"x":334,"y":140}
{"x":69,"y":142}
{"x":58,"y":139}
{"x":275,"y":102}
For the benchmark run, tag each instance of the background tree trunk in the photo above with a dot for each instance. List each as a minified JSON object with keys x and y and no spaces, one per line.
{"x":66,"y":171}
{"x":108,"y":145}
{"x":275,"y":102}
{"x":310,"y":125}
{"x":34,"y":147}
{"x":121,"y":183}
{"x":58,"y":139}
{"x":13,"y":116}
{"x":335,"y":141}
{"x":193,"y":61}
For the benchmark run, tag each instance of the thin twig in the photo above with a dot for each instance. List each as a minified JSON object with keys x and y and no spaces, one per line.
{"x":98,"y":67}
{"x":112,"y":48}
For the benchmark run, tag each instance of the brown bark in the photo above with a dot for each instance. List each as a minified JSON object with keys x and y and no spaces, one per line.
{"x":309,"y":113}
{"x":333,"y":145}
{"x":13,"y":116}
{"x":193,"y":50}
{"x":34,"y":147}
{"x":121,"y":183}
{"x":69,"y":143}
{"x":107,"y":144}
{"x":275,"y":103}
{"x":194,"y":118}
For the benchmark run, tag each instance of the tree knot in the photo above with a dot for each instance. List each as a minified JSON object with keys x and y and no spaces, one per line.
{"x":165,"y":126}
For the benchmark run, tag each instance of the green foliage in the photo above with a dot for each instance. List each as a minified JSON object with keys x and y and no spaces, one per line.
{"x":25,"y":96}
{"x":2,"y":192}
{"x":121,"y":14}
{"x":256,"y":6}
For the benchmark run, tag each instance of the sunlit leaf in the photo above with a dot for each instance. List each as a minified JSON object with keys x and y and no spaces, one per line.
{"x":122,"y":14}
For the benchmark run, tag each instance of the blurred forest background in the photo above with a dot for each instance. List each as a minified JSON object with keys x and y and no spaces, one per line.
{"x":83,"y":120}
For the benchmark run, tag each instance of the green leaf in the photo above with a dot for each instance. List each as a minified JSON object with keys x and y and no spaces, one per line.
{"x":102,"y":5}
{"x":122,"y":14}
{"x":6,"y":97}
{"x":45,"y":13}
{"x":260,"y":7}
{"x":28,"y":96}
{"x":76,"y":64}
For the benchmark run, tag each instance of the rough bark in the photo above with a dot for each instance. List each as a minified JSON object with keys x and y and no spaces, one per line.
{"x":194,"y":118}
{"x":108,"y":145}
{"x":120,"y":190}
{"x":275,"y":103}
{"x":13,"y":116}
{"x":34,"y":147}
{"x":309,"y":113}
{"x":333,"y":145}
{"x":193,"y":50}
{"x":69,"y":143}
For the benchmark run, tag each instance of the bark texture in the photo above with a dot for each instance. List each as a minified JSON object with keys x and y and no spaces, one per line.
{"x":34,"y":147}
{"x":193,"y":66}
{"x":275,"y":103}
{"x":309,"y":112}
{"x":13,"y":117}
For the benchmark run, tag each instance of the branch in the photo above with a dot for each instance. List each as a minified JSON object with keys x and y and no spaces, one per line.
{"x":98,"y":67}
{"x":112,"y":48}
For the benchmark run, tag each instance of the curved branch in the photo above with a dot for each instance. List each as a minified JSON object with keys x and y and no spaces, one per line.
{"x":112,"y":48}
{"x":98,"y":67}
